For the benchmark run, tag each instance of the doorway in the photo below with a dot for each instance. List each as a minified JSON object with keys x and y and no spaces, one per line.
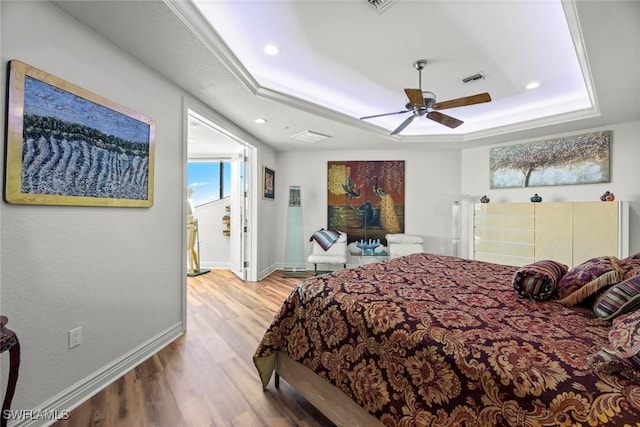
{"x":222,"y":243}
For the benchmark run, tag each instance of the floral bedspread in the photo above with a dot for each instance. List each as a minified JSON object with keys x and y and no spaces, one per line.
{"x":428,"y":340}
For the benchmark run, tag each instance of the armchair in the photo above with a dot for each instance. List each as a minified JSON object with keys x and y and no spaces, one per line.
{"x":329,"y":247}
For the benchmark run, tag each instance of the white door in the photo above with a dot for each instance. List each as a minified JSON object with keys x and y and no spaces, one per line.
{"x":240,"y":217}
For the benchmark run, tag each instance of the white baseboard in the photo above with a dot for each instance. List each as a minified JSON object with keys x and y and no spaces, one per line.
{"x":264,"y":273}
{"x":86,"y":388}
{"x":216,"y":265}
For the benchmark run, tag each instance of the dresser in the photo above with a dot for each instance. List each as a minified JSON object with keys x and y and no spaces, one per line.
{"x":568,"y":232}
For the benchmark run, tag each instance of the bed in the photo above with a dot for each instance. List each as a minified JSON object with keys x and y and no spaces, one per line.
{"x":432,"y":340}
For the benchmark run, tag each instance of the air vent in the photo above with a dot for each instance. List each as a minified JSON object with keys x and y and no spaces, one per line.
{"x":310,"y":136}
{"x":380,"y":5}
{"x":474,"y":78}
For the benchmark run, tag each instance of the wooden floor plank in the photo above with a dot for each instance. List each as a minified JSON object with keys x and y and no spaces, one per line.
{"x":207,"y":377}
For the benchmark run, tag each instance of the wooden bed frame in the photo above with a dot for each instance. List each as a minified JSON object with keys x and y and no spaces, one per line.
{"x":327,"y":398}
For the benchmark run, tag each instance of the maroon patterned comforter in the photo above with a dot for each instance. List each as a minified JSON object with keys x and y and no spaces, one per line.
{"x":427,"y":340}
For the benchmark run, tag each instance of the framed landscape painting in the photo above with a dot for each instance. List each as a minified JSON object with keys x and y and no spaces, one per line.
{"x":68,"y":146}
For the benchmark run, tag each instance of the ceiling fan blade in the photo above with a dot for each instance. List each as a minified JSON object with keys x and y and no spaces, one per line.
{"x":385,"y":114}
{"x":461,"y":102}
{"x":444,"y":119}
{"x":415,"y":96}
{"x":404,"y":125}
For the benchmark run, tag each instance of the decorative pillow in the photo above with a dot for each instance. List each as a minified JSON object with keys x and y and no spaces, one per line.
{"x":603,"y":361}
{"x":631,"y":265}
{"x":588,"y":278}
{"x":618,"y":299}
{"x":325,"y":238}
{"x":624,"y":336}
{"x":622,"y":355}
{"x":539,"y":280}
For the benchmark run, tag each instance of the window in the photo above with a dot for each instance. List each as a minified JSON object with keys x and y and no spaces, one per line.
{"x":210,"y":180}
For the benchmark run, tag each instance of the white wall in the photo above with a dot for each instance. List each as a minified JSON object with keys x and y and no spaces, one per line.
{"x":115,"y":272}
{"x":214,"y":246}
{"x":436,"y":178}
{"x":118,"y":273}
{"x":432,"y":182}
{"x":625,"y":176}
{"x":270,"y":213}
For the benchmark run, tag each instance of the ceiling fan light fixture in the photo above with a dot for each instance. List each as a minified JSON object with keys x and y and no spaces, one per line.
{"x":429,"y":98}
{"x":424,"y":103}
{"x":380,"y":5}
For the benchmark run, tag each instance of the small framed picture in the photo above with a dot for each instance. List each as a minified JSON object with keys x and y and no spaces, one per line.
{"x":268,"y":183}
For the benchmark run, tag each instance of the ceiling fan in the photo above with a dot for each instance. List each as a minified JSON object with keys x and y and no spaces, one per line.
{"x":424,"y":103}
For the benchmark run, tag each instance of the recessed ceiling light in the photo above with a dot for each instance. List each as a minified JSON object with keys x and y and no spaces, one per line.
{"x":533,"y":85}
{"x":271,"y":49}
{"x":261,"y":121}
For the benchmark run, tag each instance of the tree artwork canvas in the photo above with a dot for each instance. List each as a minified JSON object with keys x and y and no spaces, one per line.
{"x":366,"y":198}
{"x":579,"y":159}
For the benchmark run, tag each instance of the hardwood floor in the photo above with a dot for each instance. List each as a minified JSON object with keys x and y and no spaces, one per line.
{"x":207,"y":377}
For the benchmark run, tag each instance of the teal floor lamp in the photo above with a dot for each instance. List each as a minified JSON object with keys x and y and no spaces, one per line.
{"x":294,"y":261}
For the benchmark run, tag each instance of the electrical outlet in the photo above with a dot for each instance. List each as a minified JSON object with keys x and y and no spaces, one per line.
{"x":75,"y":337}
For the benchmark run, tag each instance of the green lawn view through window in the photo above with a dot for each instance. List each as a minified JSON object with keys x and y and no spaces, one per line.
{"x":210,"y":180}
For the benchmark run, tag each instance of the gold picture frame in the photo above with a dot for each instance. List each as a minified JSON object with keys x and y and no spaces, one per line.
{"x":68,"y":146}
{"x":268,"y":183}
